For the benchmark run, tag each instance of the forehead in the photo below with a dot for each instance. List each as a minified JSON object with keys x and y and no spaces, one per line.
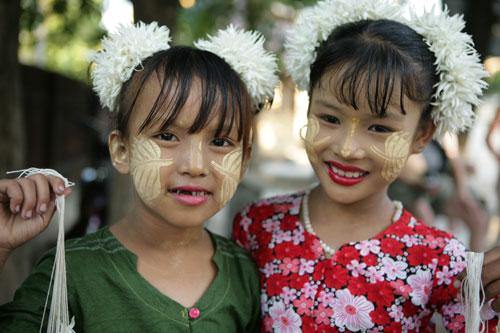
{"x":156,"y":108}
{"x":366,"y":93}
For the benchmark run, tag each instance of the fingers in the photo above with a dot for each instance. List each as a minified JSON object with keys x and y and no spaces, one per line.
{"x":492,"y":255}
{"x":29,"y":197}
{"x":11,"y":194}
{"x":492,"y":290}
{"x":496,"y":305}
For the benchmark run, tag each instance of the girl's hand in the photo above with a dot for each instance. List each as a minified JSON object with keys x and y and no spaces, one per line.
{"x":491,"y":277}
{"x":26,"y":208}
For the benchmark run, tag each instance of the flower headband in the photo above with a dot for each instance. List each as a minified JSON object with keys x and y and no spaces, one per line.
{"x":457,"y":62}
{"x":124,"y":50}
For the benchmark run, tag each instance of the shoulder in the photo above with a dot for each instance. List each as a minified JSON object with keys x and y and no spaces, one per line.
{"x":265,"y":208}
{"x":424,"y":241}
{"x":230,"y":250}
{"x":234,"y":258}
{"x":88,"y":250}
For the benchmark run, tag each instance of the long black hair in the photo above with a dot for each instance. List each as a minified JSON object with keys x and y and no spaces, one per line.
{"x":378,"y":55}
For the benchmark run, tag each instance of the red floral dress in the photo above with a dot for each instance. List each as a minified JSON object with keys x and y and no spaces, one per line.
{"x":393,"y":282}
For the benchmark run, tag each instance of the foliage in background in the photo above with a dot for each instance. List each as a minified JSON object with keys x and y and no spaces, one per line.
{"x":208,"y":15}
{"x":57,"y":34}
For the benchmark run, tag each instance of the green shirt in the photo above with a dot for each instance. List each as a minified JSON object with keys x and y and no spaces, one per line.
{"x":107,"y":294}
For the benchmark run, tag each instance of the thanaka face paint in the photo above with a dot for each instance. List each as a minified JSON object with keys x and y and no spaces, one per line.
{"x":346,"y":147}
{"x":396,"y":152}
{"x":310,"y":143}
{"x":230,"y":169}
{"x":145,"y":164}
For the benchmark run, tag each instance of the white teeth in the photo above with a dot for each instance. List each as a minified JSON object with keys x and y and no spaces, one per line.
{"x":345,"y":173}
{"x":192,"y":193}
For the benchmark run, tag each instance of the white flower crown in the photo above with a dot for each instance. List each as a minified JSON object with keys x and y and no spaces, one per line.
{"x":124,"y":50}
{"x":244,"y":51}
{"x":457,"y":62}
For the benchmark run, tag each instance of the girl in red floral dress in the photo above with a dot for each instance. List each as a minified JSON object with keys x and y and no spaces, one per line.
{"x":344,"y":257}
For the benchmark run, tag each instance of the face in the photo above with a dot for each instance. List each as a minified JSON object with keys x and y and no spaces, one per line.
{"x":357,"y":154}
{"x":179,"y":177}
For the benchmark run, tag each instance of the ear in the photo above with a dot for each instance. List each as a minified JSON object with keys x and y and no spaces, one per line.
{"x":424,"y":135}
{"x":119,"y":152}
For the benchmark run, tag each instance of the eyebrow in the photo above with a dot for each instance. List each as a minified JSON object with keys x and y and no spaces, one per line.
{"x":391,"y":115}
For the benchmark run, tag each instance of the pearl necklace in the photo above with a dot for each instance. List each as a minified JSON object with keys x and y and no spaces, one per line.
{"x":329,"y":251}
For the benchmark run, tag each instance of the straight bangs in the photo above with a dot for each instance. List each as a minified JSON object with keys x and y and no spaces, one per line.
{"x":367,"y":66}
{"x":223,"y":95}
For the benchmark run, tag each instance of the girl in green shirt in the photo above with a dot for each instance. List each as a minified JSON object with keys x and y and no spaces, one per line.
{"x":183,"y":133}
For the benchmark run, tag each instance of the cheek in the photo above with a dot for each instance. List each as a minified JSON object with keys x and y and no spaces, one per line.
{"x":393,"y":154}
{"x":146,"y":162}
{"x":316,"y":139}
{"x":228,"y":173}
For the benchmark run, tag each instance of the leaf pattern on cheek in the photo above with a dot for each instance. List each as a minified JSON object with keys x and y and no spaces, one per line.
{"x":397,"y":148}
{"x":145,"y":165}
{"x":230,"y":169}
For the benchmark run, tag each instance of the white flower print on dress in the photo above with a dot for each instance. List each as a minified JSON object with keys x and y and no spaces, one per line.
{"x":455,"y":248}
{"x":306,"y":266}
{"x":410,"y":240}
{"x":268,"y":269}
{"x":288,"y":295}
{"x":396,"y":312}
{"x":352,"y":312}
{"x":421,"y":282}
{"x":367,"y":246}
{"x":285,"y":320}
{"x":394,"y":269}
{"x":356,"y":268}
{"x":326,"y":298}
{"x":282,"y":236}
{"x":457,"y":266}
{"x":309,"y":290}
{"x":374,"y":275}
{"x":297,"y":236}
{"x":444,"y":276}
{"x":271,"y":225}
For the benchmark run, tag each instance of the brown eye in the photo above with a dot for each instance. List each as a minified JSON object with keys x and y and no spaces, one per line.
{"x":167,"y":137}
{"x":330,"y":119}
{"x":221,"y":142}
{"x":380,"y":129}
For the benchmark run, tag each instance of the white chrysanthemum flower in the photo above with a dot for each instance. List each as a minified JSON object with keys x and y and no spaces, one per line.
{"x":244,"y":52}
{"x":121,"y":53}
{"x":315,"y":24}
{"x":457,"y":63}
{"x":460,"y":71}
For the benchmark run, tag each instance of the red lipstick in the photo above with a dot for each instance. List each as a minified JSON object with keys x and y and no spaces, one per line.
{"x":345,"y":175}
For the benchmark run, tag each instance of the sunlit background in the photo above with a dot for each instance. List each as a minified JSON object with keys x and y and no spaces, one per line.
{"x":67,"y":131}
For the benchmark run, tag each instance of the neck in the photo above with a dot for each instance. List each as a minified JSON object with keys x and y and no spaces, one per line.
{"x":141,"y":229}
{"x":359,"y":214}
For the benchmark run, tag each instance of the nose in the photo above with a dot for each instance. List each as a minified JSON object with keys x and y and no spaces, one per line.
{"x":193,"y":160}
{"x":349,"y":147}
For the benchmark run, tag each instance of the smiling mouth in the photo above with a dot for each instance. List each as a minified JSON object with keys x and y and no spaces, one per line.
{"x":345,"y":175}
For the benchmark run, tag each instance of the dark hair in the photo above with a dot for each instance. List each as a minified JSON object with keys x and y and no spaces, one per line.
{"x":223,"y":95}
{"x":378,"y":55}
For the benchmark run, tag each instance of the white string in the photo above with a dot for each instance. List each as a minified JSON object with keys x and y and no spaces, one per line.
{"x":473,"y":293}
{"x":59,"y":313}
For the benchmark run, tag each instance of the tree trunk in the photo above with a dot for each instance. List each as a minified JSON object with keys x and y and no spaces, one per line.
{"x":12,"y":143}
{"x":162,"y":11}
{"x":480,"y":17}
